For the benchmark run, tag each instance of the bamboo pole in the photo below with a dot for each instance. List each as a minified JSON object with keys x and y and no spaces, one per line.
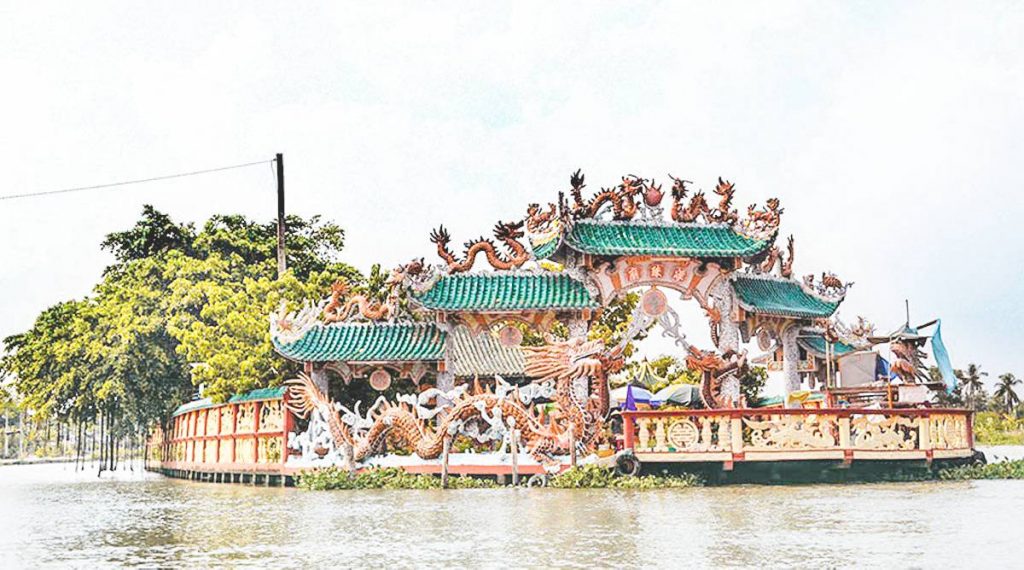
{"x":515,"y":458}
{"x":572,"y":447}
{"x":444,"y":460}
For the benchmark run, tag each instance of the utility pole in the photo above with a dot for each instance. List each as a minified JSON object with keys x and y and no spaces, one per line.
{"x":281,"y":266}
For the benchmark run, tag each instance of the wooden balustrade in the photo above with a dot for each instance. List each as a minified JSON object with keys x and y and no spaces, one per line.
{"x":797,"y":434}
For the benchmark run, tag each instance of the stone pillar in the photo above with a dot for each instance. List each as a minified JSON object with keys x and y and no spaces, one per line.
{"x":319,"y":377}
{"x":728,"y":329}
{"x":790,"y":360}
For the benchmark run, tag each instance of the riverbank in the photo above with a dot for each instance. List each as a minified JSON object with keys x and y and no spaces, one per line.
{"x":36,"y":461}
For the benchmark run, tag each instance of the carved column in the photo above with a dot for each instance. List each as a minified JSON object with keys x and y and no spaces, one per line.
{"x":319,"y":377}
{"x":790,"y":359}
{"x":728,"y":329}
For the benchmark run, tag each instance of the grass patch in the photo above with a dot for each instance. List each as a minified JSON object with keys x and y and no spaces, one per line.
{"x":595,"y":477}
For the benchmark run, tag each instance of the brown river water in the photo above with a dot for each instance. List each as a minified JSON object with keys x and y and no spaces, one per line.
{"x":52,"y":516}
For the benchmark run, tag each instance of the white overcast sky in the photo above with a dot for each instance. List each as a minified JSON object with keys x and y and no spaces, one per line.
{"x":890,"y":130}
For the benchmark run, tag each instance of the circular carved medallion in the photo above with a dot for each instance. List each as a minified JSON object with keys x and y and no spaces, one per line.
{"x":683,"y":434}
{"x":380,"y":379}
{"x":510,"y":336}
{"x":654,"y":303}
{"x":764,"y":339}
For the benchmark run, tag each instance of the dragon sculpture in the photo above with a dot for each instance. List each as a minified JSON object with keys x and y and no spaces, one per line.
{"x":622,"y":198}
{"x":537,"y":219}
{"x":770,"y":216}
{"x":688,"y":213}
{"x":720,"y":376}
{"x":342,"y":307}
{"x":831,"y":286}
{"x":577,"y":367}
{"x":783,"y":261}
{"x":908,"y":363}
{"x":507,"y":232}
{"x":724,"y":213}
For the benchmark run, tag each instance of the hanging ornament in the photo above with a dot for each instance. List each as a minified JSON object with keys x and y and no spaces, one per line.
{"x":380,"y":379}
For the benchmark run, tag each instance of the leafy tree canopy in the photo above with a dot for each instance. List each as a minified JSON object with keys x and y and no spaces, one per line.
{"x":179,"y":309}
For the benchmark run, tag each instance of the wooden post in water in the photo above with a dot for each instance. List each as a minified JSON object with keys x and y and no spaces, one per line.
{"x":572,"y":447}
{"x":515,"y":458}
{"x":444,"y":460}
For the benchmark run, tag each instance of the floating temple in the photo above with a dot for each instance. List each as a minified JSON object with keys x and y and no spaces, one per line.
{"x":490,"y":351}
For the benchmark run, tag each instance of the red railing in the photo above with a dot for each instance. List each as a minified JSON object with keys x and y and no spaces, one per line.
{"x":242,"y":436}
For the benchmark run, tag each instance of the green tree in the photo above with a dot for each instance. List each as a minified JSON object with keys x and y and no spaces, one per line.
{"x":153,"y":234}
{"x":1005,"y":392}
{"x":973,"y":386}
{"x":178,"y":309}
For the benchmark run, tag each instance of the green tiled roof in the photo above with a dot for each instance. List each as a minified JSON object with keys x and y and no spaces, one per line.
{"x":782,"y":298}
{"x":816,"y":344}
{"x":258,"y":394}
{"x":546,"y":249}
{"x":684,"y":240}
{"x":367,"y":342}
{"x":506,"y":292}
{"x":482,"y":354}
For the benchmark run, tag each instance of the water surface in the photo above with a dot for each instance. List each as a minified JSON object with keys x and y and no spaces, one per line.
{"x":52,"y":516}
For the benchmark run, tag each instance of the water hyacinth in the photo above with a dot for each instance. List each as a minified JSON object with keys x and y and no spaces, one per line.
{"x":1001,"y":470}
{"x":596,"y":477}
{"x":333,"y":478}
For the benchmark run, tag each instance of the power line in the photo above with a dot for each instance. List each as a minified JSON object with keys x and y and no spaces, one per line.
{"x":139,"y":181}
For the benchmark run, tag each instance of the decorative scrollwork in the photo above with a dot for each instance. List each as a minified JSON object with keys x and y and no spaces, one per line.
{"x":792,"y":432}
{"x":884,"y":433}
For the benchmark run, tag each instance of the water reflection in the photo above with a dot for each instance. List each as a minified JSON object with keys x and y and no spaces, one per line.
{"x":51,"y":515}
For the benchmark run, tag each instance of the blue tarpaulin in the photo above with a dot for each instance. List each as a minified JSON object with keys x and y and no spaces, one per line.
{"x":630,"y":404}
{"x":942,"y":358}
{"x":881,"y":369}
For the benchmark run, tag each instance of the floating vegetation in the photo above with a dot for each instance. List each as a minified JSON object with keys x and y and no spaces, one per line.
{"x":596,"y":477}
{"x":1001,"y":470}
{"x":334,"y":478}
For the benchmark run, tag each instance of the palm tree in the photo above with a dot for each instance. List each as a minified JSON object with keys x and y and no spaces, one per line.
{"x":1005,"y":392}
{"x":971,"y":379}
